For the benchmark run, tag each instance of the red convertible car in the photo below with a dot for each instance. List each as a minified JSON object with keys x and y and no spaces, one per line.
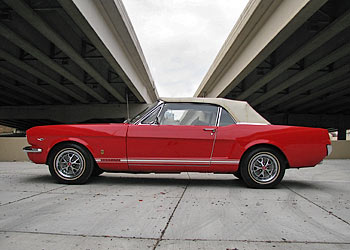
{"x":180,"y":135}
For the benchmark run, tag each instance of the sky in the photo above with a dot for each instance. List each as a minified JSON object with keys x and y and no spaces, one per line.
{"x":181,"y":38}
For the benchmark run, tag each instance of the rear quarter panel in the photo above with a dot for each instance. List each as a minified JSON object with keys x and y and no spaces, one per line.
{"x":302,"y":146}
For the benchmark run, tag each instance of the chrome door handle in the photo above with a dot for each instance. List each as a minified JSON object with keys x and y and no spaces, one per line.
{"x":210,"y":129}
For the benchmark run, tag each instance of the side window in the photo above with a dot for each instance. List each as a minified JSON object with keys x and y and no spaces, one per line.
{"x":188,"y":114}
{"x":226,"y":119}
{"x":151,"y":117}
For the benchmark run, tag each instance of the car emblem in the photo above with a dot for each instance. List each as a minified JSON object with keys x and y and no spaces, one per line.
{"x":40,"y":139}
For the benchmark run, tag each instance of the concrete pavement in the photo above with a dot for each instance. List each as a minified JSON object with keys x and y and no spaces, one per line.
{"x":310,"y":209}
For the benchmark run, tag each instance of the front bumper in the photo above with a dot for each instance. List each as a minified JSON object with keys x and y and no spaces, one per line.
{"x":29,"y":149}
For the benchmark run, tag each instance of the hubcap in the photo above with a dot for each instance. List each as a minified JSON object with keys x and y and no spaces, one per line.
{"x":69,"y":163}
{"x":264,"y":168}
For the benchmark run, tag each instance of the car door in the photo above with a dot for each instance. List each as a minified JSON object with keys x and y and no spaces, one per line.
{"x":174,"y":137}
{"x":225,"y":152}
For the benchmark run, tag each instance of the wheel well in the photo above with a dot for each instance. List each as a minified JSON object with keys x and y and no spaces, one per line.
{"x":66,"y":142}
{"x":265,"y":146}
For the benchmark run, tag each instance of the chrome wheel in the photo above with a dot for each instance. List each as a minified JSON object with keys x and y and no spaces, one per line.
{"x":264,"y":168}
{"x":69,"y":163}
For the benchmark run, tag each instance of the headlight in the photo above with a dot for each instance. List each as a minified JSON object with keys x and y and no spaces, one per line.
{"x":329,"y":149}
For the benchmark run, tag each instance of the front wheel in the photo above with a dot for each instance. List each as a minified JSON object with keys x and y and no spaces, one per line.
{"x":70,"y":164}
{"x":263,"y":168}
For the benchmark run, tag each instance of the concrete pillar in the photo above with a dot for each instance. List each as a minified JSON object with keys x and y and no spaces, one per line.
{"x":342,"y":134}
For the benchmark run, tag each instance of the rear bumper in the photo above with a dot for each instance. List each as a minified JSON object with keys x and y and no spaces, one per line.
{"x":29,"y":149}
{"x":329,"y":149}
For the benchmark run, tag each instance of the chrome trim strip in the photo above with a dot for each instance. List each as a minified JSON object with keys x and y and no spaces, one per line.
{"x":218,"y":116}
{"x":164,"y":161}
{"x":29,"y":149}
{"x":251,"y":123}
{"x":226,"y":162}
{"x":171,"y":165}
{"x":180,"y":161}
{"x":108,"y":160}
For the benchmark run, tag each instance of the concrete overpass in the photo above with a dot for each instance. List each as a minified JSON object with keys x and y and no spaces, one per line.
{"x":69,"y":61}
{"x":290,"y":61}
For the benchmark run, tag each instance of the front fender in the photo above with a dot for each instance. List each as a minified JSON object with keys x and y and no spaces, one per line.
{"x":69,"y":139}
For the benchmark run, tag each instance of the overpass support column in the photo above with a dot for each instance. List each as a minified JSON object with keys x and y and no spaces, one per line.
{"x":342,"y":134}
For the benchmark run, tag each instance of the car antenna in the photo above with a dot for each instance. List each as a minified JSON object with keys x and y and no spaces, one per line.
{"x":127,"y":104}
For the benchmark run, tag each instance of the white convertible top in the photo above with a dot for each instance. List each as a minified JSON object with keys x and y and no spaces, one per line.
{"x":241,"y":111}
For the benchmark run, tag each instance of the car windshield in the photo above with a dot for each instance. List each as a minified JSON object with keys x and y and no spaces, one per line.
{"x":142,"y":113}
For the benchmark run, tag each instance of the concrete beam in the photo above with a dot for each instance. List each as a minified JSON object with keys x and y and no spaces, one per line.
{"x":7,"y":95}
{"x":322,"y":80}
{"x":261,"y":29}
{"x":70,"y":113}
{"x":21,"y":91}
{"x":316,"y":105}
{"x":335,"y":55}
{"x":33,"y":71}
{"x":332,"y":104}
{"x":6,"y":100}
{"x":109,"y":29}
{"x":38,"y":23}
{"x":340,"y":106}
{"x":308,"y":101}
{"x":47,"y":61}
{"x":232,"y":48}
{"x":321,"y":38}
{"x":309,"y":120}
{"x":32,"y":85}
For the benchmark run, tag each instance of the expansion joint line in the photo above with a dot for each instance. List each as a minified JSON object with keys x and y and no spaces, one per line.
{"x":324,"y":209}
{"x":31,"y":196}
{"x":171,"y":216}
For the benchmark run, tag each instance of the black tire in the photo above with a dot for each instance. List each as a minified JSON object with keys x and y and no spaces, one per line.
{"x":70,"y":163}
{"x":238,"y":175}
{"x":97,"y":171}
{"x":263,"y":167}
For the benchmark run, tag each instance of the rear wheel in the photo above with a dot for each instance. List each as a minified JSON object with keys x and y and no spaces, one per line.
{"x":263,"y":167}
{"x":70,"y":163}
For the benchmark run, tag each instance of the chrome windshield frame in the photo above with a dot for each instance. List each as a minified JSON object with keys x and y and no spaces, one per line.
{"x":138,"y":122}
